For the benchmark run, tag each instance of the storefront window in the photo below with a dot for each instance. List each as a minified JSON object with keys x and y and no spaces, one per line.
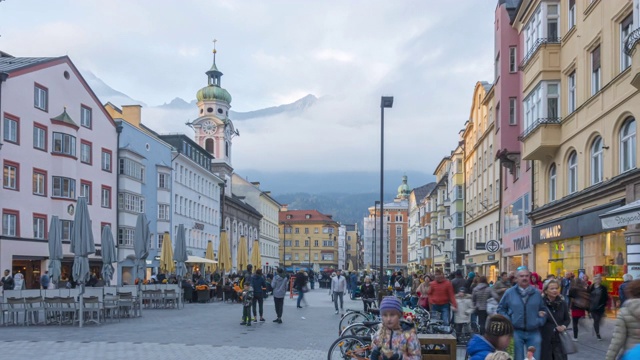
{"x":564,"y":255}
{"x":606,"y":254}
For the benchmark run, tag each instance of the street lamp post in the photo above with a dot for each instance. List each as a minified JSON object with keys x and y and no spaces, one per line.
{"x":309,"y":262}
{"x":284,"y":251}
{"x":385,"y":102}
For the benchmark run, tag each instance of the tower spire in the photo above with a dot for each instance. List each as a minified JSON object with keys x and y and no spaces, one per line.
{"x":214,"y":74}
{"x":214,"y":50}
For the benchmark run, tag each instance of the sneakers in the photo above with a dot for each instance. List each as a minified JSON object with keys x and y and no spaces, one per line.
{"x":336,"y":312}
{"x":599,"y":338}
{"x":254,"y":320}
{"x":262,"y":319}
{"x":249,"y":323}
{"x":575,"y":339}
{"x":243,"y":323}
{"x":276,"y":320}
{"x":279,"y":321}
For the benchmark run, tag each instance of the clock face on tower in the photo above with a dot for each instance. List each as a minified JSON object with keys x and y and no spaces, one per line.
{"x":209,"y":127}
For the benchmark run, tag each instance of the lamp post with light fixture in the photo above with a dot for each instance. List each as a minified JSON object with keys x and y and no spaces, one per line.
{"x":385,"y":102}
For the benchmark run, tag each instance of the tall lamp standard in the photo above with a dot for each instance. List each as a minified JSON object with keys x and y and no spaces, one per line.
{"x":284,"y":251}
{"x":385,"y":102}
{"x":375,"y":222}
{"x":309,"y":240}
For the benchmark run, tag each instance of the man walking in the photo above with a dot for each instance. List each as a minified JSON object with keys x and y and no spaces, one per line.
{"x":523,"y":306}
{"x":45,"y":280}
{"x":441,"y":297}
{"x":279,"y":285}
{"x":458,"y":282}
{"x":7,"y":281}
{"x":566,"y":286}
{"x":338,"y":287}
{"x":502,"y":285}
{"x":259,"y":286}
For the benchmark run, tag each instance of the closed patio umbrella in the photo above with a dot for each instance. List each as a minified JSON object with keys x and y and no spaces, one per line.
{"x":109,"y":255}
{"x":82,"y":246}
{"x":224,"y":255}
{"x":180,"y":253}
{"x":242,"y":259}
{"x":141,"y":244}
{"x":209,"y":255}
{"x":256,"y":258}
{"x":55,"y":250}
{"x":166,"y":255}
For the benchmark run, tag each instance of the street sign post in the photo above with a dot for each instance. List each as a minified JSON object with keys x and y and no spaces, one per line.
{"x":493,"y":246}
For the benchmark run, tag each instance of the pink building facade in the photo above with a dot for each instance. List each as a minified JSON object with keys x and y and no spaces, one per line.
{"x":515,"y":228}
{"x":58,"y":143}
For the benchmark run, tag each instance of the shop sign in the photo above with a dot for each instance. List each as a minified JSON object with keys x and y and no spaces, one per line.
{"x":551,"y":232}
{"x":470,"y":261}
{"x":621,"y":220}
{"x":491,"y":257}
{"x":522,"y":243}
{"x":634,"y":270}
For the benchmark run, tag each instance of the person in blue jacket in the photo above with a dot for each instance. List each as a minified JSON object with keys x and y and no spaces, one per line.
{"x":523,"y":306}
{"x":496,"y":338}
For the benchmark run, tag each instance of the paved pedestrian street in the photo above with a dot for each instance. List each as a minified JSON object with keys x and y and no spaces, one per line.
{"x":211,"y":331}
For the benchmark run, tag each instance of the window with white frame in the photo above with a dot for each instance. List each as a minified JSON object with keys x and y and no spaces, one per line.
{"x":552,"y":183}
{"x":553,"y":19}
{"x":399,"y":218}
{"x":628,"y":145}
{"x":571,"y":85}
{"x":513,"y":103}
{"x":10,"y":176}
{"x":534,"y":106}
{"x":9,"y":224}
{"x":106,"y":160}
{"x":398,"y":259}
{"x":85,"y":152}
{"x":553,"y":100}
{"x":496,"y":65}
{"x":571,"y":14}
{"x":572,"y":185}
{"x":85,"y":117}
{"x":595,"y":70}
{"x":164,"y":181}
{"x":39,"y":137}
{"x":125,"y":236}
{"x":67,"y":227}
{"x":40,"y":97}
{"x":64,"y":144}
{"x":327,"y":257}
{"x":39,"y":224}
{"x":596,"y":161}
{"x":131,"y":202}
{"x":131,"y":168}
{"x":85,"y":191}
{"x":39,"y":183}
{"x":398,"y":230}
{"x":459,"y":192}
{"x":163,"y":212}
{"x":459,"y":220}
{"x":626,"y":27}
{"x":105,"y":201}
{"x":64,"y":187}
{"x":543,"y":27}
{"x":10,"y":130}
{"x":513,"y":58}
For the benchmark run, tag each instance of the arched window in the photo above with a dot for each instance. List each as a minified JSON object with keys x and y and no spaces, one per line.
{"x":552,"y":183}
{"x":208,"y":145}
{"x":573,"y":173}
{"x":628,"y":145}
{"x":596,"y":161}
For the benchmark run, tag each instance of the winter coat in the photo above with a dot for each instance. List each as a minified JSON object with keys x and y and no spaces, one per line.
{"x":441,"y":293}
{"x":367,"y":291}
{"x":598,"y":297}
{"x":414,"y":286}
{"x":500,"y":287}
{"x":458,"y":283}
{"x":523,"y":314}
{"x":464,"y":310}
{"x":481,"y":294}
{"x":257,"y":283}
{"x":626,"y":334}
{"x":300,"y":281}
{"x":550,"y":338}
{"x":404,"y":342}
{"x":621,"y":293}
{"x":538,"y":284}
{"x":338,"y":284}
{"x":478,"y":348}
{"x":279,"y":285}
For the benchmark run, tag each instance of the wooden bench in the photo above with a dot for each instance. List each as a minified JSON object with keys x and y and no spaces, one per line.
{"x":446,"y":349}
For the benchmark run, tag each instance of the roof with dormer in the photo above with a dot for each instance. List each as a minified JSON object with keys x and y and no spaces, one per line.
{"x":300,"y":216}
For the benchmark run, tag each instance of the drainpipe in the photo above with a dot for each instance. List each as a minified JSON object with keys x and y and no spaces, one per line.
{"x":533,"y":253}
{"x":118,"y":132}
{"x":3,"y":78}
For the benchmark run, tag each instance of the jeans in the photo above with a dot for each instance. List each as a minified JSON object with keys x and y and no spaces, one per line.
{"x":575,"y":326}
{"x":414,"y":301}
{"x":279,"y":302}
{"x":257,"y":298}
{"x":523,"y":339}
{"x":246,"y":314}
{"x":597,"y":318}
{"x":301,"y":296}
{"x":313,"y":285}
{"x":336,"y":296}
{"x":444,"y":312}
{"x":482,"y":319}
{"x":400,"y":294}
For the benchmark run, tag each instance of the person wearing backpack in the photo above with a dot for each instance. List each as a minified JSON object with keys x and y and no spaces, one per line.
{"x":579,"y":303}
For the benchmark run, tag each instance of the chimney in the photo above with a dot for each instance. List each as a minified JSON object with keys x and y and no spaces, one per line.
{"x":284,"y":207}
{"x":132,"y":114}
{"x":256,"y":184}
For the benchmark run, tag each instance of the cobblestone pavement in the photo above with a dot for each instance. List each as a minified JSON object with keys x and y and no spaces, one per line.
{"x":212,"y":331}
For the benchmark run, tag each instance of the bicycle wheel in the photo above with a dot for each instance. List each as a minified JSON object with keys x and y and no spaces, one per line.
{"x":359,"y":329}
{"x":351,"y":318}
{"x":349,"y":347}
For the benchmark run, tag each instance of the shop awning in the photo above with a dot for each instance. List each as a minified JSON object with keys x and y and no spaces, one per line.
{"x":624,"y":215}
{"x":488,"y":263}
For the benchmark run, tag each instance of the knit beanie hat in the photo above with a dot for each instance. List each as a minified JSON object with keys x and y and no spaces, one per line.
{"x":498,"y":325}
{"x":471,"y":275}
{"x":390,"y":303}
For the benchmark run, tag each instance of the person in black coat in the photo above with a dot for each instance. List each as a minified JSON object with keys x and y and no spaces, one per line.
{"x":557,"y":309}
{"x":598,"y":297}
{"x":367,"y":292}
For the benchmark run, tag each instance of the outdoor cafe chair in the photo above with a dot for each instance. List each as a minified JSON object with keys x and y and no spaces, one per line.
{"x":92,"y":309}
{"x":52,"y":310}
{"x":171,"y":297}
{"x":68,"y":310}
{"x":15,"y":307}
{"x":110,"y":307}
{"x":126,"y":303}
{"x":33,"y":306}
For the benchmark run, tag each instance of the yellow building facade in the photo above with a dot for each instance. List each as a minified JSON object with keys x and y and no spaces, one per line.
{"x":579,"y":109}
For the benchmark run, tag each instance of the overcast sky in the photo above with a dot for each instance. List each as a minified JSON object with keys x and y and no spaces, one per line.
{"x":428,"y":54}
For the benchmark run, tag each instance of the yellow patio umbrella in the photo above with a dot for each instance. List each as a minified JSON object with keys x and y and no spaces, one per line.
{"x":350,"y":264}
{"x":368,"y":268}
{"x":256,"y":258}
{"x":209,"y":255}
{"x":224,"y":255}
{"x":166,"y":255}
{"x":242,"y":259}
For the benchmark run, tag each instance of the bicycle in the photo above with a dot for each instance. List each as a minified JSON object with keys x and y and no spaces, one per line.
{"x":357,"y":316}
{"x":367,"y":328}
{"x":465,"y":331}
{"x":351,"y":347}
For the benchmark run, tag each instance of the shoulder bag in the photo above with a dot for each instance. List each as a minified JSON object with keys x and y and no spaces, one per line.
{"x":568,"y":345}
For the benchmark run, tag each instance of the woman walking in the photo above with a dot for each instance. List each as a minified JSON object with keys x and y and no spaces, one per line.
{"x":299,"y":284}
{"x":367,"y":293}
{"x":598,"y":297}
{"x":626,"y":334}
{"x":421,"y":291}
{"x":279,"y":285}
{"x":579,"y":303}
{"x":481,"y":293}
{"x":557,"y":309}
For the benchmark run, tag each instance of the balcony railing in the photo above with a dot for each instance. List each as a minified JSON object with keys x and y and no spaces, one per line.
{"x":536,"y":45}
{"x":537,"y":124}
{"x":631,"y":41}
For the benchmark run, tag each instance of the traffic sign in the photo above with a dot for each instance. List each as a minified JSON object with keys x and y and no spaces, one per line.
{"x":493,"y":246}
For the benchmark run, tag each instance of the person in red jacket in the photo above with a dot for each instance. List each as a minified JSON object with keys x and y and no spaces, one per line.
{"x":441,"y":297}
{"x":536,"y":281}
